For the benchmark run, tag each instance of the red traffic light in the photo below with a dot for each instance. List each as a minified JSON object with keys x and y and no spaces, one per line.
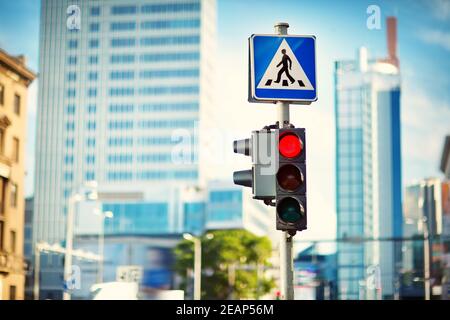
{"x":290,"y":145}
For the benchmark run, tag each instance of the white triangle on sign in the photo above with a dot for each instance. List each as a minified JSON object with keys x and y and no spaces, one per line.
{"x":300,"y":80}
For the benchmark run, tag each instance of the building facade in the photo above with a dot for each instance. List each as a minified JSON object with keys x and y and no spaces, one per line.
{"x":125,"y":91}
{"x":445,"y":159}
{"x":28,"y":247}
{"x":15,"y":78}
{"x":138,"y":234}
{"x":368,"y":172}
{"x":426,"y":224}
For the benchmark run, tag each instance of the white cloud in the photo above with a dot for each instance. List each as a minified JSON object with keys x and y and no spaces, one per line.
{"x":436,"y":37}
{"x":425,"y":122}
{"x":440,"y":9}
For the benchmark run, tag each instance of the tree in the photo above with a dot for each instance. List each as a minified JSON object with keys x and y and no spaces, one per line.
{"x":230,"y":263}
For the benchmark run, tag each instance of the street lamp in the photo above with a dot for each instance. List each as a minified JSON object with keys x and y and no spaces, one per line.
{"x":89,"y":193}
{"x":101,"y":240}
{"x":54,"y":248}
{"x":197,"y":263}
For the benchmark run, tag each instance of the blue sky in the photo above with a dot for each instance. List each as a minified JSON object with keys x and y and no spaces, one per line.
{"x":340,"y":27}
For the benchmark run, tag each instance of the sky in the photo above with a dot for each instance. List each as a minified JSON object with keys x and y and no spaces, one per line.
{"x":340,"y":28}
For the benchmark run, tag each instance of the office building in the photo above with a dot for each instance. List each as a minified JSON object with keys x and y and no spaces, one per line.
{"x":28,"y":248}
{"x":368,"y":171}
{"x":445,"y":160}
{"x":15,"y":79}
{"x":426,"y":223}
{"x":138,"y":235}
{"x":124,"y":93}
{"x":315,"y":275}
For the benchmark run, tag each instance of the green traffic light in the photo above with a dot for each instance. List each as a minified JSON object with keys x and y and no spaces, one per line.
{"x":290,"y":210}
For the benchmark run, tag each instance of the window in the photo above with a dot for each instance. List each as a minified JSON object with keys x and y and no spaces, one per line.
{"x":120,"y":175}
{"x":2,"y":230}
{"x":2,"y":94}
{"x":93,"y":43}
{"x":169,"y":107}
{"x":94,"y":27}
{"x":122,"y":58}
{"x":70,"y":143}
{"x":3,"y":184}
{"x":68,"y":176}
{"x":123,"y":42}
{"x":90,"y":142}
{"x":71,"y":93}
{"x":92,"y":76}
{"x":13,"y":195}
{"x":17,"y":104}
{"x":90,"y":159}
{"x":70,"y":109}
{"x":92,"y":108}
{"x":176,"y":56}
{"x":72,"y":60}
{"x":160,"y":41}
{"x":118,"y":10}
{"x":121,"y":108}
{"x":73,"y":44}
{"x":120,"y":141}
{"x":68,"y":159}
{"x":120,"y":124}
{"x":121,"y":75}
{"x":171,"y":24}
{"x":12,"y":292}
{"x":176,"y":73}
{"x":12,"y":241}
{"x":92,"y":92}
{"x":90,"y":175}
{"x":171,"y":7}
{"x":120,"y":158}
{"x":16,"y":147}
{"x":93,"y":59}
{"x":168,"y":90}
{"x":91,"y":125}
{"x":2,"y":140}
{"x":123,"y":26}
{"x":161,"y":124}
{"x":71,"y":76}
{"x":121,"y":91}
{"x":95,"y":11}
{"x":70,"y":126}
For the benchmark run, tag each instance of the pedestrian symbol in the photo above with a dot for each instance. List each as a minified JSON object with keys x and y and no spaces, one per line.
{"x":282,"y":68}
{"x":285,"y":72}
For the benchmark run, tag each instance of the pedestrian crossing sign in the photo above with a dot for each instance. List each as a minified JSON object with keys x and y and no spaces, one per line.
{"x":282,"y":68}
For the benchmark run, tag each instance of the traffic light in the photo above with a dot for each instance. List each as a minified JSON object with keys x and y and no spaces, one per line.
{"x":263,"y":151}
{"x":243,"y":177}
{"x":291,"y":180}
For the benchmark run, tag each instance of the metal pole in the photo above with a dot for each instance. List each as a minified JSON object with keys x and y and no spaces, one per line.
{"x":197,"y":268}
{"x":426,"y":260}
{"x":286,"y":262}
{"x":101,"y":249}
{"x":69,"y":245}
{"x":37,"y":270}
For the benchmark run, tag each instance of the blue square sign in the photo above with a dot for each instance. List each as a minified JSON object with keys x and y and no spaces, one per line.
{"x":282,"y":68}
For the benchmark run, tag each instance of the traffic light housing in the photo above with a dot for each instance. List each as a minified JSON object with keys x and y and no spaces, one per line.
{"x":290,"y":199}
{"x":262,"y":148}
{"x":278,"y":173}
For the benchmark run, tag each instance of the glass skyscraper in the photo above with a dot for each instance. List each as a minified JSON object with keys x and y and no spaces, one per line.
{"x":124,"y":89}
{"x":368,"y":173}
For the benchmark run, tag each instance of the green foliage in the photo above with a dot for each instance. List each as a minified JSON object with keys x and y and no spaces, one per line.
{"x":230,"y":262}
